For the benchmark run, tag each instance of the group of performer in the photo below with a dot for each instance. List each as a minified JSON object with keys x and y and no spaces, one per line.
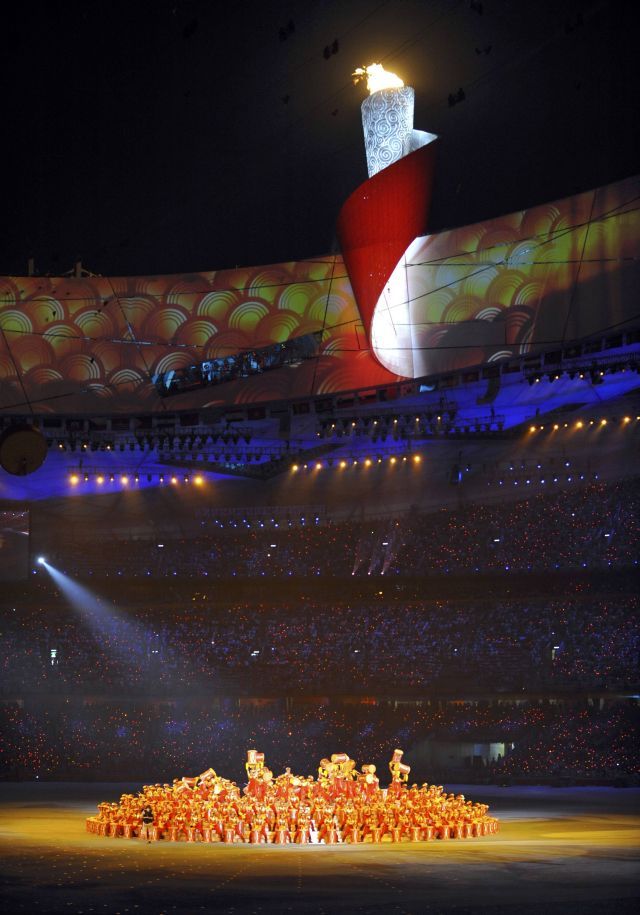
{"x":343,"y":804}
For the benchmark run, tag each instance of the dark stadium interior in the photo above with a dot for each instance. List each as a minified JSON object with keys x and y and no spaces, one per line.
{"x":239,"y":516}
{"x":487,"y":623}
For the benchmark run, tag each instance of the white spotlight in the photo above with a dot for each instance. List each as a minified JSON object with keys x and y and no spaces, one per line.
{"x":41,"y":560}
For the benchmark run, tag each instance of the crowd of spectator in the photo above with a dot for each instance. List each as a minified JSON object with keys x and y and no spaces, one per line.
{"x":155,"y":741}
{"x":581,"y":642}
{"x":94,"y":687}
{"x":596,"y":527}
{"x":587,"y":741}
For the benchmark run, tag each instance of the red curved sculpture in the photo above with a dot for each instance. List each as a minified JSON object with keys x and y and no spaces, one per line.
{"x":379,"y":221}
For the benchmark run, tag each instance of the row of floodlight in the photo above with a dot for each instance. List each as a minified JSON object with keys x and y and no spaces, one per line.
{"x":582,"y":424}
{"x":514,"y":468}
{"x":264,"y":523}
{"x":374,"y":423}
{"x":594,"y":373}
{"x":412,"y":426}
{"x":227,"y":457}
{"x":544,"y":479}
{"x":344,"y":463}
{"x":100,"y":478}
{"x":155,"y":443}
{"x":126,"y":479}
{"x":421,"y":430}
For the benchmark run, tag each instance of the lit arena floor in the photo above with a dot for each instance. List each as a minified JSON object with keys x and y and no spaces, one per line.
{"x":558,"y":851}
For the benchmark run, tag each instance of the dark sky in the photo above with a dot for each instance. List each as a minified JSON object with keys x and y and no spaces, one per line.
{"x":152,"y":137}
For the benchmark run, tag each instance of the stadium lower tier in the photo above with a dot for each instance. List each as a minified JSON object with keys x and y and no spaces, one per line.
{"x":384,"y":645}
{"x":504,"y":739}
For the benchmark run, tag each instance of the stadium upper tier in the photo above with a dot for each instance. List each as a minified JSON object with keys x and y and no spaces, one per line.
{"x":507,"y":287}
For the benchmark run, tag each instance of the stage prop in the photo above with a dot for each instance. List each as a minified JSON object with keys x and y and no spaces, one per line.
{"x":343,"y":805}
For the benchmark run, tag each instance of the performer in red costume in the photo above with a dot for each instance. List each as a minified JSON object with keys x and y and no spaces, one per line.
{"x":399,"y":773}
{"x":343,"y":805}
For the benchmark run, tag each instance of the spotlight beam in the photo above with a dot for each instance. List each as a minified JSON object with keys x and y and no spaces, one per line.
{"x":103,"y":618}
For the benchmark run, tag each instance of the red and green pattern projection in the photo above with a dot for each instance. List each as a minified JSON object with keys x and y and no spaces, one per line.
{"x":505,"y":286}
{"x":93,"y":344}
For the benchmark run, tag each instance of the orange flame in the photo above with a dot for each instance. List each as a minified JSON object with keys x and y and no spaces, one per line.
{"x":377,"y":78}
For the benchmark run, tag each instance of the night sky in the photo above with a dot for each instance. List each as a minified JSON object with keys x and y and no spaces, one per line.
{"x":156,"y":137}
